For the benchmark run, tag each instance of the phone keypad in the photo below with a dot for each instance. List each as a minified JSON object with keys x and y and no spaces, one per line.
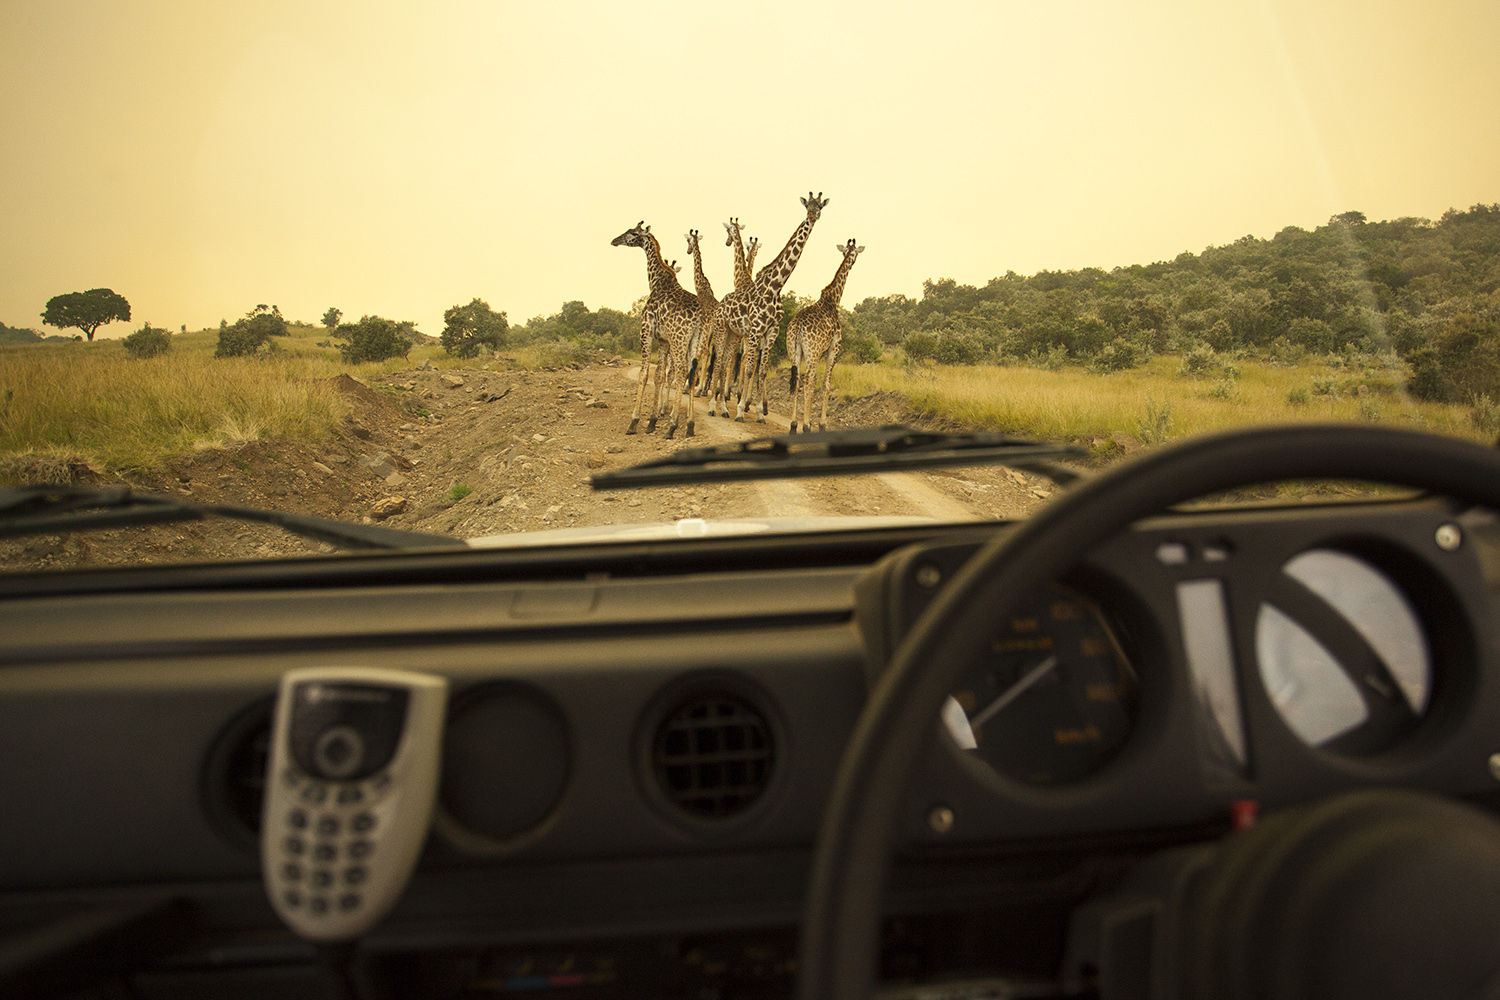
{"x":328,"y":841}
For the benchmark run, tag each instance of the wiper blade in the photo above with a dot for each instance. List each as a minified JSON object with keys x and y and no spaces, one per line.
{"x":52,"y":510}
{"x":843,"y":452}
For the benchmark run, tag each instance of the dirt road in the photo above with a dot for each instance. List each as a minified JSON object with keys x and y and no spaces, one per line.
{"x":533,"y":473}
{"x":496,"y":449}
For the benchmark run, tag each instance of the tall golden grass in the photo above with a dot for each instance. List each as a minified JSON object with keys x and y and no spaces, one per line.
{"x":1077,"y":405}
{"x":92,"y":402}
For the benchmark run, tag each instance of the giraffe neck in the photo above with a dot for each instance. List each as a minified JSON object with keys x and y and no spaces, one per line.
{"x":774,"y":274}
{"x":700,"y":280}
{"x":742,"y":277}
{"x":835,"y":289}
{"x":658,"y":275}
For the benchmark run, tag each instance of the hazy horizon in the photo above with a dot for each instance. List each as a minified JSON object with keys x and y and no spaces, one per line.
{"x":398,"y":161}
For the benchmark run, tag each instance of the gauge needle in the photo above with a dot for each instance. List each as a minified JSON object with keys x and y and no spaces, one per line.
{"x":1013,"y":692}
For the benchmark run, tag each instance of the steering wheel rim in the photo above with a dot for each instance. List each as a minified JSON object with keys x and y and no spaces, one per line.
{"x":841,"y":923}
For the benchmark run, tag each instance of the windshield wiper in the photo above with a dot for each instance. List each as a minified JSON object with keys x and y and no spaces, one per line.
{"x":843,"y":452}
{"x":52,"y":510}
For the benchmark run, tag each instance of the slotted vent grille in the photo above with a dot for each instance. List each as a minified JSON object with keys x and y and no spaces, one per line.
{"x":713,"y":755}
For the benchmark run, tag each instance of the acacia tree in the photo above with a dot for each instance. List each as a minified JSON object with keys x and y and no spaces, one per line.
{"x":87,"y":311}
{"x":331,"y":319}
{"x":468,"y":329}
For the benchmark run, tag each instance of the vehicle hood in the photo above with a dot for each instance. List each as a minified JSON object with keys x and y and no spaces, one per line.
{"x":689,"y":527}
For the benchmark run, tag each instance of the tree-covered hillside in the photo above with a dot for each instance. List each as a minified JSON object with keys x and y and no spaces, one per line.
{"x":1426,"y":292}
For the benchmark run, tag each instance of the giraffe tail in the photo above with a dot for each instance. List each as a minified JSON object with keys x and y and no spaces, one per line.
{"x":793,"y":390}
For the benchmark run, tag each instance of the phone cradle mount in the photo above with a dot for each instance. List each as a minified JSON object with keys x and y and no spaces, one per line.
{"x":350,"y":792}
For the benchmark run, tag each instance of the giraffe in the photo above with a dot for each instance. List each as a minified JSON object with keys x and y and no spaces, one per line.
{"x":817,"y":332}
{"x":722,"y":346}
{"x":702,"y":351}
{"x":753,"y":314}
{"x":667,"y":324}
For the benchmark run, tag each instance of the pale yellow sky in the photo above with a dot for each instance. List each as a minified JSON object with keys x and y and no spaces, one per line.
{"x":396,"y":158}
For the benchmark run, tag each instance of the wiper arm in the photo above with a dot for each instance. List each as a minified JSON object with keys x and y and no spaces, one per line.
{"x":49,"y":510}
{"x":843,"y":452}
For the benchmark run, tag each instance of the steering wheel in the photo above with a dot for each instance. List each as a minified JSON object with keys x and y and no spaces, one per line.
{"x":841,"y":927}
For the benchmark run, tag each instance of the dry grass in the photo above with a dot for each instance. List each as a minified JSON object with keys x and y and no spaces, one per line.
{"x":93,"y":402}
{"x":1073,"y":404}
{"x":79,"y":402}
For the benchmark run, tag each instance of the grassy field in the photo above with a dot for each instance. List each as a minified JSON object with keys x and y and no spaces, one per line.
{"x":1151,"y":403}
{"x":92,"y":402}
{"x":68,"y":401}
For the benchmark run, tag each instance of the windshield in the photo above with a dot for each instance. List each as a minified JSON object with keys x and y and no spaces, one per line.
{"x":432,"y":268}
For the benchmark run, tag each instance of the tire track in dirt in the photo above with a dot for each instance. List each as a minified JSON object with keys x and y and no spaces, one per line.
{"x":895,"y":492}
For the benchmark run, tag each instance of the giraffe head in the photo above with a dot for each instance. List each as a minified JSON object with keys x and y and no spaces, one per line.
{"x":731,"y":230}
{"x":849,"y":250}
{"x":676,"y":267}
{"x":692,"y":241}
{"x":633,"y":237}
{"x":750,"y":250}
{"x":815,"y":203}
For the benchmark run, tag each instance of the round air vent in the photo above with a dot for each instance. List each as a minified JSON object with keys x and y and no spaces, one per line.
{"x":506,"y":760}
{"x":234,"y":776}
{"x":713,"y":754}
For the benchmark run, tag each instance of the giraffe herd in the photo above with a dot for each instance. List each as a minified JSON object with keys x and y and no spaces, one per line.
{"x":694,"y":337}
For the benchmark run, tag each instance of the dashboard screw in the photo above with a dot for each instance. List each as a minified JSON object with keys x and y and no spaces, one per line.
{"x":941,"y":818}
{"x":1449,"y":538}
{"x":1495,"y":766}
{"x":929,"y":576}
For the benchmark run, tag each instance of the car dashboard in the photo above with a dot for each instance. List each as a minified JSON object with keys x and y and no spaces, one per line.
{"x":641,"y":739}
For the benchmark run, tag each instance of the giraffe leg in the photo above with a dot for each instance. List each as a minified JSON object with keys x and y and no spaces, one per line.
{"x":747,"y":365}
{"x":807,"y":396}
{"x":678,"y":381}
{"x":760,"y":381}
{"x":833,"y":356}
{"x":663,"y":372}
{"x":640,"y":389}
{"x":690,"y":394}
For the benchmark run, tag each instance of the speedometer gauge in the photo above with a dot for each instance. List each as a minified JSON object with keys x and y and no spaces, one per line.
{"x":1054,"y":697}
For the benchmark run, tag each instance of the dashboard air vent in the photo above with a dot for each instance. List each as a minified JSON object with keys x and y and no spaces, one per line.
{"x":235,"y":775}
{"x":713,"y":755}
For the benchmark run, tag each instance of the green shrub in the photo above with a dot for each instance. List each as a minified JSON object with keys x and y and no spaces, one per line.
{"x":249,"y":334}
{"x":1052,"y":360}
{"x":375,"y":338}
{"x":469,"y":329}
{"x":1119,"y":355}
{"x":559,"y":353}
{"x":1203,"y":362}
{"x":1484,"y":414}
{"x":958,"y":349}
{"x":1222,"y":389}
{"x":1297,"y":397}
{"x":1326,"y":387}
{"x":1428,"y":381}
{"x":1156,"y":426}
{"x":858,"y":348}
{"x":148,"y":342}
{"x":920,"y":345}
{"x":458,"y":491}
